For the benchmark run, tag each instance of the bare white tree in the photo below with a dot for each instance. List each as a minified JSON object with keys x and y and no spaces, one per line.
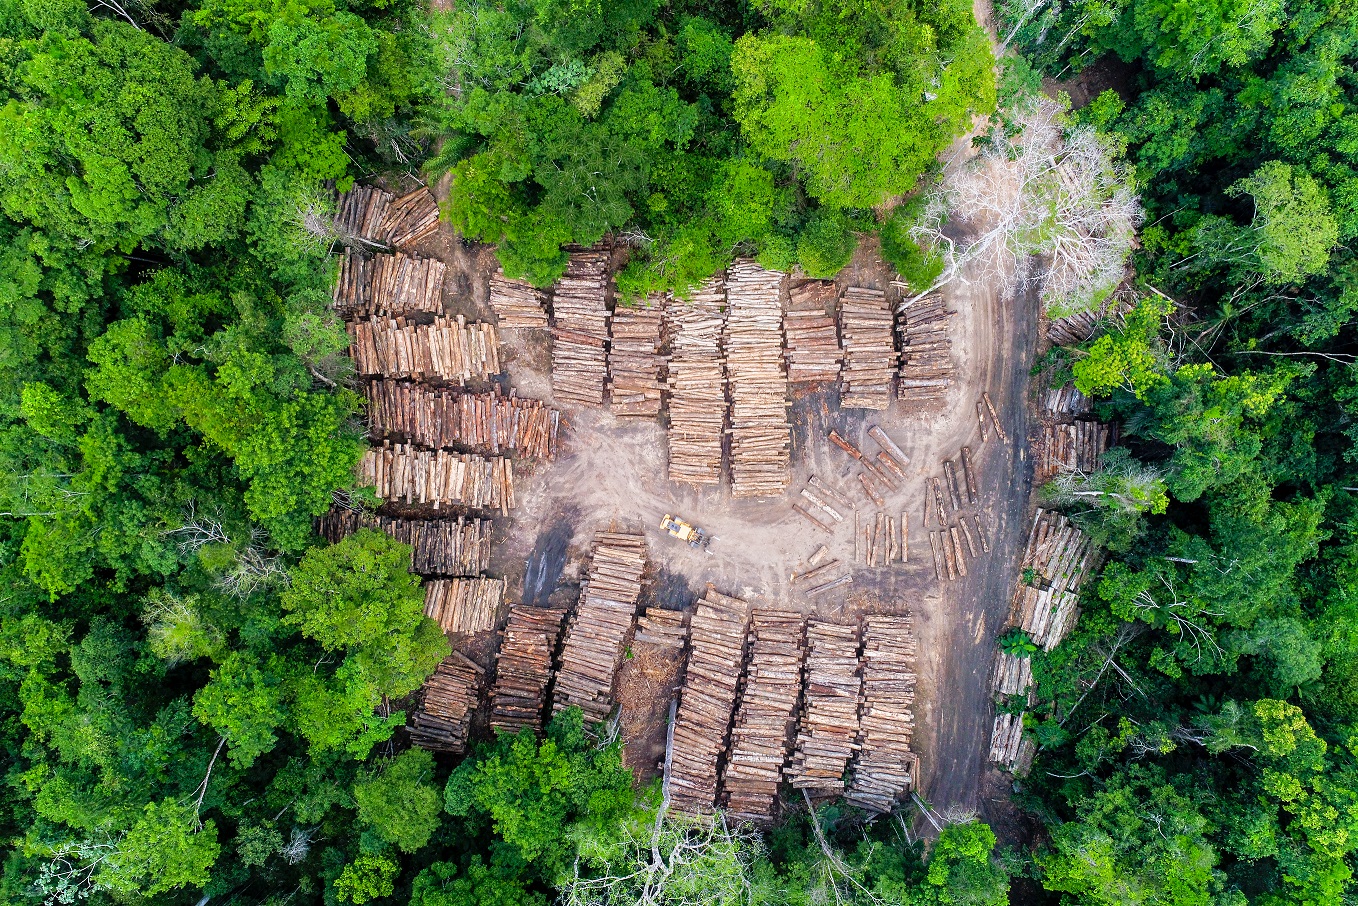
{"x":255,"y":568}
{"x":1044,"y":204}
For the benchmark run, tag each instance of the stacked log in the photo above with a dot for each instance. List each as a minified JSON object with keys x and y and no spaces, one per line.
{"x":580,"y":330}
{"x":446,"y":350}
{"x":524,"y":667}
{"x":697,"y":383}
{"x":865,"y":323}
{"x":1066,"y":401}
{"x":662,"y":628}
{"x":761,"y":440}
{"x":391,"y":285}
{"x":1078,"y":328}
{"x":437,"y":477}
{"x":1012,"y":675}
{"x":485,"y":422}
{"x":447,"y":702}
{"x":410,"y":218}
{"x":1061,"y":557}
{"x":361,"y":212}
{"x":765,"y":717}
{"x":707,"y":700}
{"x":1074,"y":447}
{"x":464,"y":605}
{"x":828,"y":734}
{"x":517,"y":303}
{"x":439,"y":547}
{"x":813,"y":352}
{"x":926,"y":355}
{"x":1008,"y":746}
{"x":600,"y":625}
{"x":634,"y":361}
{"x":886,"y":767}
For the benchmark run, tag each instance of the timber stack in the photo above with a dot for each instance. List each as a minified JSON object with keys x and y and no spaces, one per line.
{"x":376,"y":217}
{"x":1074,"y":447}
{"x":1061,"y":557}
{"x":446,"y":350}
{"x":886,"y":767}
{"x":1008,"y":746}
{"x":439,"y":547}
{"x":580,"y":330}
{"x":524,"y":667}
{"x":600,"y":626}
{"x":697,"y":383}
{"x":1075,"y":329}
{"x":1066,"y":402}
{"x":828,"y":733}
{"x":390,"y":285}
{"x":634,"y":360}
{"x":400,"y":472}
{"x":707,"y":700}
{"x":517,"y":303}
{"x":761,"y":441}
{"x":1013,"y":675}
{"x":766,"y":715}
{"x":447,"y":702}
{"x":813,"y":351}
{"x":464,"y":605}
{"x":444,"y":418}
{"x":926,"y":350}
{"x":663,"y":628}
{"x":865,"y":323}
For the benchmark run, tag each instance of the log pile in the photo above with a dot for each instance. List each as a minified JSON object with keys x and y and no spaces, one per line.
{"x":439,"y":547}
{"x":517,"y":303}
{"x":828,"y":733}
{"x":1008,"y":746}
{"x":761,"y":440}
{"x":1075,"y":329}
{"x":599,"y":628}
{"x":886,"y":767}
{"x":662,"y":628}
{"x":580,"y":330}
{"x":926,"y":355}
{"x":392,"y":285}
{"x":464,"y":605}
{"x":524,"y":667}
{"x":697,"y":383}
{"x":446,"y":704}
{"x":1066,"y":401}
{"x":437,"y":477}
{"x":870,"y":359}
{"x":446,"y":350}
{"x":1074,"y":447}
{"x":376,"y":217}
{"x":1013,"y":675}
{"x":706,"y":702}
{"x":766,"y":716}
{"x":410,"y":218}
{"x":485,"y":422}
{"x":813,"y":353}
{"x":1061,"y":558}
{"x":634,"y":361}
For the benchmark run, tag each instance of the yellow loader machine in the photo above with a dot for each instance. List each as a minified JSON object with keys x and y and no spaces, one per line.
{"x":680,"y":529}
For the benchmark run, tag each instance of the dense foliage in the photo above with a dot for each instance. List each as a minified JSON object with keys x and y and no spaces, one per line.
{"x":1198,"y":728}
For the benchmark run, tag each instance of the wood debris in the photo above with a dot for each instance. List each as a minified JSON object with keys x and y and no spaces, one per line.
{"x":445,"y":418}
{"x":446,"y":350}
{"x":1061,"y":557}
{"x":388,"y":285}
{"x":1075,"y":447}
{"x":1066,"y":401}
{"x":761,"y":440}
{"x":870,"y":359}
{"x":1079,"y":327}
{"x":634,"y":361}
{"x":524,"y":667}
{"x":376,"y":217}
{"x":926,"y":351}
{"x":886,"y":768}
{"x":400,"y":472}
{"x":410,"y":218}
{"x":600,"y":625}
{"x":663,"y":628}
{"x":765,"y":717}
{"x":439,"y":547}
{"x":464,"y":605}
{"x":813,"y":352}
{"x":697,"y":383}
{"x":580,"y":330}
{"x":1008,"y":746}
{"x":517,"y":303}
{"x":827,"y":735}
{"x":707,"y":700}
{"x":447,"y":701}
